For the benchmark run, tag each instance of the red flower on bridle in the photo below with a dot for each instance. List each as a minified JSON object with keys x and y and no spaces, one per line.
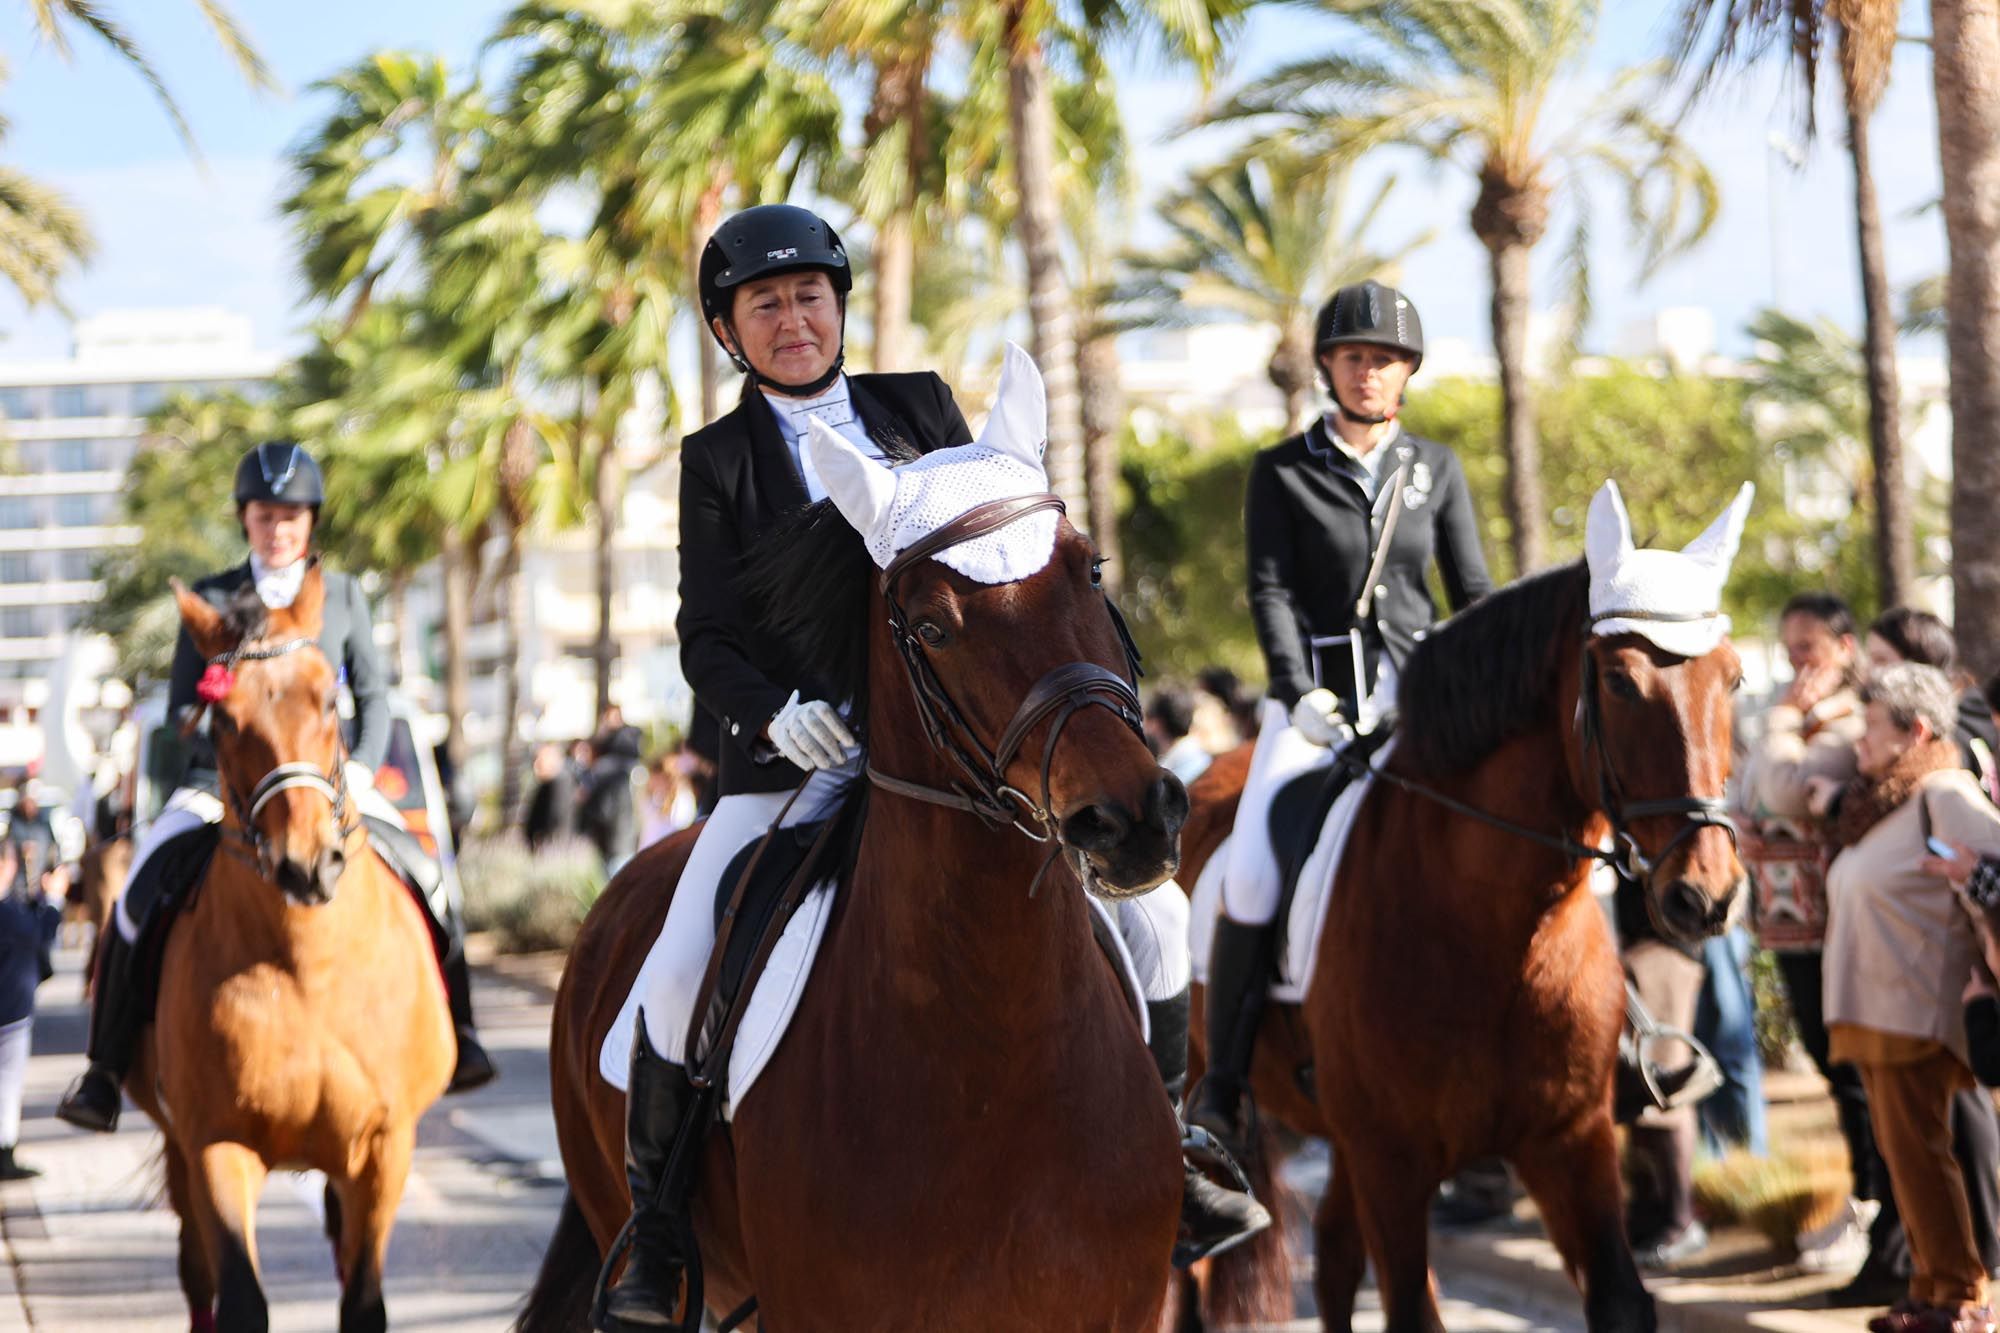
{"x":215,"y":684}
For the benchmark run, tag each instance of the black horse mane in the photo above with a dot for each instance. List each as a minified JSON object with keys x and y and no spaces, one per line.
{"x":1490,"y":672}
{"x":809,"y":584}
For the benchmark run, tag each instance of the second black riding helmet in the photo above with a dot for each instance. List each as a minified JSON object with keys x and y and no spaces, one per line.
{"x":1373,"y":314}
{"x":280,"y":472}
{"x":763,"y":242}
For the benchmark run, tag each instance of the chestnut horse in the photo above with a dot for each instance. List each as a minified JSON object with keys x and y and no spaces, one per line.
{"x":962,"y":1128}
{"x":301,"y":1020}
{"x":100,"y":878}
{"x":1466,"y":998}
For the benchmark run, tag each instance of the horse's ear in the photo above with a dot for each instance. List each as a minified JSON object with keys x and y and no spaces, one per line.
{"x":203,"y":622}
{"x":1716,"y":547}
{"x":308,"y":609}
{"x":861,"y":489}
{"x":1607,"y":535}
{"x":1019,"y":423}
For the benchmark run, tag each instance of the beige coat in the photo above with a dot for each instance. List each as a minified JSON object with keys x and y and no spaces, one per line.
{"x":1900,"y":943}
{"x":1795,"y":747}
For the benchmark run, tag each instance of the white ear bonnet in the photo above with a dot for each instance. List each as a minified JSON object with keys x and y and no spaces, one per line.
{"x":1674,"y":598}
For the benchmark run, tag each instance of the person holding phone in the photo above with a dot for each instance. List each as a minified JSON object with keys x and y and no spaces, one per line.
{"x":1900,"y":953}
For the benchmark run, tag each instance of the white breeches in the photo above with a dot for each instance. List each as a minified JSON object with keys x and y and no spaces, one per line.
{"x":672,"y":973}
{"x":1251,"y":878}
{"x":15,"y":1041}
{"x":1154,"y":925}
{"x":190,"y":807}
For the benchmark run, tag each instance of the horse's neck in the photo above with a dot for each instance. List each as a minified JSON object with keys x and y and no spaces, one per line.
{"x":1527,"y":783}
{"x":940,"y":904}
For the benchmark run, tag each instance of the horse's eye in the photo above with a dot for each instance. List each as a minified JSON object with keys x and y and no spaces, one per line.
{"x":1097,"y":572}
{"x":1736,"y":686}
{"x":930,"y":634}
{"x":1622,"y":685}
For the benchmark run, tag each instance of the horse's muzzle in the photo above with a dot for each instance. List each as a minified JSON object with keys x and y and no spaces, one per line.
{"x":1131,"y":853}
{"x":311,"y":885}
{"x":1691,"y":913}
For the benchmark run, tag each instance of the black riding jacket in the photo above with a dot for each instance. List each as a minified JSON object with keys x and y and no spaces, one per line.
{"x":1311,"y":534}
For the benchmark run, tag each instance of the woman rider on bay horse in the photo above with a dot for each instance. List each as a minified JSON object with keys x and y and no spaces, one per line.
{"x":279,"y":491}
{"x":1343,"y":522}
{"x":774,"y":283}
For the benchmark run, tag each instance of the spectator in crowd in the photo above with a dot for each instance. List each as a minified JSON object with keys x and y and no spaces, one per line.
{"x":1231,"y":710}
{"x":1903,"y":634}
{"x":1169,"y":718}
{"x":1810,"y":732}
{"x":29,"y":917}
{"x":552,"y":803}
{"x":607,"y":812}
{"x":1898,"y":957}
{"x":1725,"y":1021}
{"x":669,"y":802}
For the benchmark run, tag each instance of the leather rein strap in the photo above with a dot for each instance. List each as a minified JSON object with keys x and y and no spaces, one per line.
{"x":983,"y":788}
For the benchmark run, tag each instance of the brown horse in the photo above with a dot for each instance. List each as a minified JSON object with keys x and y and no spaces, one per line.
{"x":301,"y":1020}
{"x":1466,"y":998}
{"x":100,"y":878}
{"x":962,"y":1128}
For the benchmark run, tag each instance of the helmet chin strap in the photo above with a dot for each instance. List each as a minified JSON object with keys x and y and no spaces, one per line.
{"x":1362,"y":418}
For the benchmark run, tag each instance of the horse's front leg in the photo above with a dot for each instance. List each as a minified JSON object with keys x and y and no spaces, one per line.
{"x":225,"y":1181}
{"x":367,"y":1213}
{"x":1390,"y":1189}
{"x":1342,"y":1258}
{"x":1574,"y":1181}
{"x":197,"y":1268}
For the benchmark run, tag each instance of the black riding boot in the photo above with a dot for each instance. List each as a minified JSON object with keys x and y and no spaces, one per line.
{"x":647,"y":1293}
{"x":1214,"y":1217}
{"x":475,"y":1068}
{"x":1241,"y":963}
{"x":94,"y":1100}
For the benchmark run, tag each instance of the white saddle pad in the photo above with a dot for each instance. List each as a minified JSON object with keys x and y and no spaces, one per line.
{"x":775,"y":998}
{"x":1309,"y":903}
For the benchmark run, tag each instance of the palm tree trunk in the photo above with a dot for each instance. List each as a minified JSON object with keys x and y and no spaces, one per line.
{"x":399,"y":616}
{"x":1965,"y":67}
{"x":708,"y":213}
{"x":1895,"y":539}
{"x":1031,"y":118}
{"x":1294,"y":372}
{"x":456,"y":564}
{"x":607,"y":492}
{"x":510,"y":679}
{"x":1103,"y":420}
{"x":1522,"y":447}
{"x":898,"y":108}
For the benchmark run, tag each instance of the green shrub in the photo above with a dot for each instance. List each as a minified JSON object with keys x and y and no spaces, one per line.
{"x":529,"y":900}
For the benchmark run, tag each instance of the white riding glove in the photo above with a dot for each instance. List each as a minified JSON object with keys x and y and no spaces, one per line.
{"x":1317,"y":716}
{"x":359,"y":776}
{"x":810,"y":734}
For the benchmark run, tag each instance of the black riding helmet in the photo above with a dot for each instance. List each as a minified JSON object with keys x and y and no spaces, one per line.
{"x":762,"y":242}
{"x":1368,"y":312}
{"x":280,"y":472}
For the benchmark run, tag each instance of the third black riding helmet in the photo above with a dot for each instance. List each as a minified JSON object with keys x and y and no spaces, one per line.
{"x":1368,"y":312}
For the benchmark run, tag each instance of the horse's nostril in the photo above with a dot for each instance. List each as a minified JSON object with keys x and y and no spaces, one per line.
{"x":1687,"y":908}
{"x":1167,"y":803}
{"x":295,"y":880}
{"x":1096,"y":828}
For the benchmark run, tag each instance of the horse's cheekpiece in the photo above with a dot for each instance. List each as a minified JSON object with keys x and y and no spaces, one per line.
{"x":218,"y":679}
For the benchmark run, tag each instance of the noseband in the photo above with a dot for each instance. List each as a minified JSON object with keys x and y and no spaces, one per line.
{"x":285,"y":777}
{"x":982,"y":787}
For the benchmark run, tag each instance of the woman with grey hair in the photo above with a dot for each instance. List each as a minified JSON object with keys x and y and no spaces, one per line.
{"x":1899,"y":950}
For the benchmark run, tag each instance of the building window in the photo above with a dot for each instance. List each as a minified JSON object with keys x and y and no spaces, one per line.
{"x":17,"y":567}
{"x":76,"y":566}
{"x":76,"y":511}
{"x":148,"y":398}
{"x":20,"y":622}
{"x":17,"y":511}
{"x":69,"y":400}
{"x":74,"y":455}
{"x":16,"y":405}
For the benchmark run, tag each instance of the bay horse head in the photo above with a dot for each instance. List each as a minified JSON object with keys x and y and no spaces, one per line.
{"x":271,"y":696}
{"x":990,"y":670}
{"x":1654,"y":713}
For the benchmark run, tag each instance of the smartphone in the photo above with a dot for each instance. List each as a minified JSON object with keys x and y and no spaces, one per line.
{"x":1939,"y":847}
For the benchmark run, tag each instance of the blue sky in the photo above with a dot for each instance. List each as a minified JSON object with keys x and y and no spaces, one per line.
{"x":176,"y":232}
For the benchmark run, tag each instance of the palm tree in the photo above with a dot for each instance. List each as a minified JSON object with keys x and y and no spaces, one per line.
{"x":54,"y":19}
{"x":1265,"y":238}
{"x":1965,"y":50}
{"x":1476,"y":85}
{"x":41,"y":235}
{"x":1866,"y":35}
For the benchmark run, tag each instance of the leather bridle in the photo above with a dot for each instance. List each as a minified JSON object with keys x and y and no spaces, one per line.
{"x":1625,"y":857}
{"x":285,"y":777}
{"x":981,"y":787}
